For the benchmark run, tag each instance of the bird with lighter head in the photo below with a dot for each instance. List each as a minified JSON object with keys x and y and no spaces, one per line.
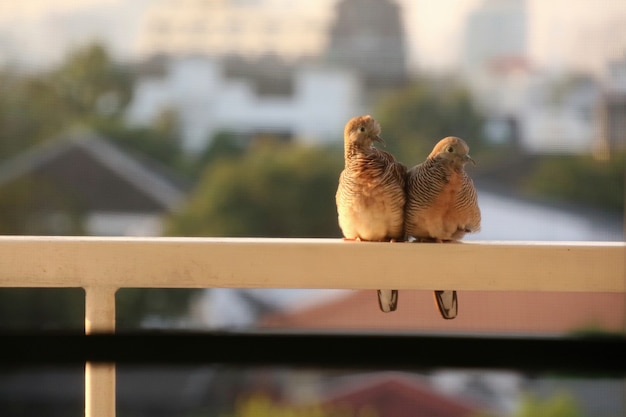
{"x":371,"y":192}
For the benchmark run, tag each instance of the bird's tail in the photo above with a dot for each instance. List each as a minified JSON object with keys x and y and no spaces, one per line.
{"x":388,"y":300}
{"x":447,"y":303}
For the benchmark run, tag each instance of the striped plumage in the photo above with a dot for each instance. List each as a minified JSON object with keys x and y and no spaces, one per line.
{"x":442,"y":203}
{"x":371,"y":193}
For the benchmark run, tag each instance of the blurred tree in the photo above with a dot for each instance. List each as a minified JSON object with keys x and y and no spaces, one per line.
{"x":560,"y":405}
{"x":260,"y":405}
{"x":161,"y":145}
{"x":274,"y":190}
{"x":87,"y":86}
{"x":224,"y":145}
{"x":89,"y":82}
{"x":413,"y":120}
{"x":29,"y":112}
{"x":580,"y":179}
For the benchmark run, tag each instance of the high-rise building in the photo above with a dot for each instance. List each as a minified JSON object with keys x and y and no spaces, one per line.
{"x":368,"y":36}
{"x":252,"y":28}
{"x":494,"y":33}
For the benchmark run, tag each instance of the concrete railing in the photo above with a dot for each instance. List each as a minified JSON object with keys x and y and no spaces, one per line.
{"x":103,"y":265}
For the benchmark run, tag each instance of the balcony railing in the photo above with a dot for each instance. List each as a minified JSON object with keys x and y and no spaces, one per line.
{"x":103,"y":265}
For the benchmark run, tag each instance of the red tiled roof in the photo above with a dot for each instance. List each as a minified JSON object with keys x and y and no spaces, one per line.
{"x":395,"y":395}
{"x":479,"y":312}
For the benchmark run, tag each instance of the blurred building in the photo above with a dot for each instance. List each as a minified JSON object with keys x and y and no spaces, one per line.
{"x":368,"y":36}
{"x":522,"y":314}
{"x":394,"y":394}
{"x":290,"y":30}
{"x":559,"y":115}
{"x":484,"y":312}
{"x":293,"y":69}
{"x":495,"y":67}
{"x":305,"y":103}
{"x":540,"y":112}
{"x":612,"y":108}
{"x":495,"y":31}
{"x":82,"y":178}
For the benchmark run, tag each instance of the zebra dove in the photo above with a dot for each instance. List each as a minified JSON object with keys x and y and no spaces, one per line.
{"x":442,"y":204}
{"x":371,"y":193}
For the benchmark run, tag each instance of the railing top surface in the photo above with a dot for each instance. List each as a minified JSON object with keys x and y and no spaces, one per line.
{"x":181,"y":262}
{"x":278,"y":241}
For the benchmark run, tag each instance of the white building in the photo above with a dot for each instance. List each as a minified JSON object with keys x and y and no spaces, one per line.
{"x":207,"y":102}
{"x":289,"y":29}
{"x":560,"y":116}
{"x":493,"y":54}
{"x":495,"y":31}
{"x":549,"y":114}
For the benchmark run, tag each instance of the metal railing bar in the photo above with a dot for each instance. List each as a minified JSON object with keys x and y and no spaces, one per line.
{"x":572,"y":354}
{"x":37,"y":261}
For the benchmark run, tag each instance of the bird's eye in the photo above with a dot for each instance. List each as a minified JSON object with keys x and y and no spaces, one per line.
{"x":450,"y":149}
{"x":361,"y":129}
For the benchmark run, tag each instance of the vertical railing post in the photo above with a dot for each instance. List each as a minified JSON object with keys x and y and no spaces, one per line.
{"x":99,"y":377}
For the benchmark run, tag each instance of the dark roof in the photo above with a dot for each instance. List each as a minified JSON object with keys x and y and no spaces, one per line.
{"x":96,"y":173}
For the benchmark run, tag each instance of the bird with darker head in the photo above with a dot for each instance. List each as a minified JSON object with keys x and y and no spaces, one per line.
{"x":371,"y":192}
{"x":442,"y":204}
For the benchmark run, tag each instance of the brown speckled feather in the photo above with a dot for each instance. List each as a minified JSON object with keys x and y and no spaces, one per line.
{"x":371,"y":193}
{"x":442,"y":203}
{"x":370,"y":196}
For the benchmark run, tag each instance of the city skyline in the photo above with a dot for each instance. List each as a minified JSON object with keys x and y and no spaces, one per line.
{"x":562,"y":35}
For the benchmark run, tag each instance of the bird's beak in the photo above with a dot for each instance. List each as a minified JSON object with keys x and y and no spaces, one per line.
{"x":379,"y":140}
{"x":469,"y":159}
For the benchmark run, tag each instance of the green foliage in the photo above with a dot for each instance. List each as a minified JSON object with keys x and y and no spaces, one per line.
{"x":262,"y":406}
{"x":273,"y":190}
{"x":158,"y":145}
{"x":29,"y":112}
{"x":560,"y":405}
{"x":581,"y":179}
{"x":224,"y":145}
{"x":90,"y":82}
{"x":416,"y":118}
{"x":88,"y":86}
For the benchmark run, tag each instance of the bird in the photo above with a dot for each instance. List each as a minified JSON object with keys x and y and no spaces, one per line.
{"x":442,"y":204}
{"x":371,"y":196}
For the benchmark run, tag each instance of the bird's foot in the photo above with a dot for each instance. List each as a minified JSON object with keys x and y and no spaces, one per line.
{"x":426,"y":240}
{"x":388,"y":300}
{"x":447,"y":303}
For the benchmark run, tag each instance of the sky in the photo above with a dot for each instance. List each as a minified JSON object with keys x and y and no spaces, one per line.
{"x":562,"y":33}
